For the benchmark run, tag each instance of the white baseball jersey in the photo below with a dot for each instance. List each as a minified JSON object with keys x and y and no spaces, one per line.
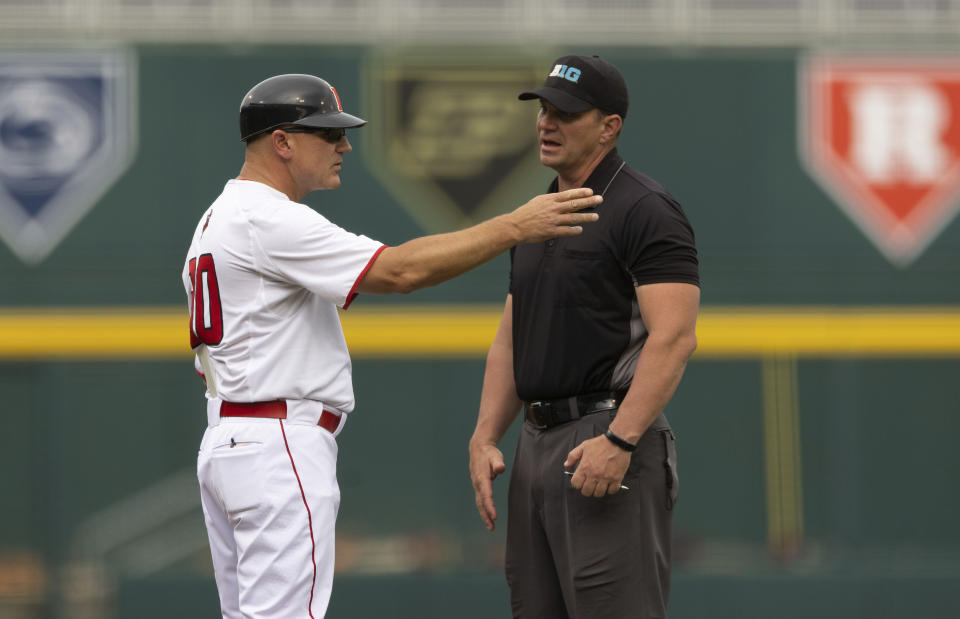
{"x":264,"y":277}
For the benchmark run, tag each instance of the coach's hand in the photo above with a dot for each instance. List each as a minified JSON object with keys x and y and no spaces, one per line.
{"x":551,"y":215}
{"x":600,"y":467}
{"x":486,"y":463}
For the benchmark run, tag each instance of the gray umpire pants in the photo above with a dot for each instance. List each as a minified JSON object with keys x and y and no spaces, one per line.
{"x":575,"y":557}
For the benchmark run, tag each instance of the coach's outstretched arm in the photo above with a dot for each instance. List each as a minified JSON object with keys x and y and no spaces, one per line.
{"x":430,"y":260}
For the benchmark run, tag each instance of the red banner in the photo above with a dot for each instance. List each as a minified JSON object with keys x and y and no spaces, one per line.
{"x":882,"y":136}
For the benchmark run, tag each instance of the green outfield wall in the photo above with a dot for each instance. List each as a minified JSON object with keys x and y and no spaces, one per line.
{"x":816,"y":425}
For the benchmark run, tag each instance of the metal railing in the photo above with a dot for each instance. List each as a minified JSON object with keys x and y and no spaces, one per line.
{"x":613,"y":22}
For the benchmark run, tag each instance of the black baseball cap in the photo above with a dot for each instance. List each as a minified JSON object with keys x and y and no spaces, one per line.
{"x":580,"y":83}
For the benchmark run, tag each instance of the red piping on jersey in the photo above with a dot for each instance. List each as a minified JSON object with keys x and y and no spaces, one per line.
{"x":313,"y":546}
{"x":353,"y":293}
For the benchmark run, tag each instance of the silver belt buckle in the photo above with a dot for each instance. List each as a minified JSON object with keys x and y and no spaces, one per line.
{"x":536,"y":420}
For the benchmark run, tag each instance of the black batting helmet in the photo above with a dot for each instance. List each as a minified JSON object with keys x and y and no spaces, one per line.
{"x":293,"y":99}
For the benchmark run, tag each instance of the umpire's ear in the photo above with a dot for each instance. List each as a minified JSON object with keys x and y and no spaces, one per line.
{"x":612,"y":124}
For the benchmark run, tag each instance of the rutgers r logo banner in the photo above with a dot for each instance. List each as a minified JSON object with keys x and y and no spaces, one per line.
{"x":67,"y":132}
{"x":882,"y":136}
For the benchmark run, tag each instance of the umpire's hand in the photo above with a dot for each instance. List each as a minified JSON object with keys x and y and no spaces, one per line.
{"x":486,"y":463}
{"x":600,"y":467}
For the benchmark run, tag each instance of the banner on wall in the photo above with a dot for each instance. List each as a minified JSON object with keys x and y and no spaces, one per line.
{"x":448,"y":138}
{"x":67,"y":133}
{"x":882,"y":135}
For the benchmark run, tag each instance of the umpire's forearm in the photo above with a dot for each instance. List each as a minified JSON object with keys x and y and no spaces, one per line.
{"x":499,"y":403}
{"x":659,"y":370}
{"x":499,"y":406}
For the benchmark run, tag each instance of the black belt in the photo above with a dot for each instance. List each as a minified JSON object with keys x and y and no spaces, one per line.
{"x":543,"y":414}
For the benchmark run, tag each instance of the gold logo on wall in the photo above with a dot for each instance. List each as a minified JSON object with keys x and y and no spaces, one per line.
{"x":448,"y":137}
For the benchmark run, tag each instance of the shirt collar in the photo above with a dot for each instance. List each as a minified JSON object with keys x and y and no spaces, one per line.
{"x":601,"y":176}
{"x":276,"y":193}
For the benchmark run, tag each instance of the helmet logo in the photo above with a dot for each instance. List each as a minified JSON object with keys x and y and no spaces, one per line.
{"x":337,"y":98}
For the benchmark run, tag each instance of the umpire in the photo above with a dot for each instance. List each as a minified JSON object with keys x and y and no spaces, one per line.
{"x":594,"y":338}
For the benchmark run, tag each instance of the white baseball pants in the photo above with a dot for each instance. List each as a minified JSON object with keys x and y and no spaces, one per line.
{"x":270,"y":499}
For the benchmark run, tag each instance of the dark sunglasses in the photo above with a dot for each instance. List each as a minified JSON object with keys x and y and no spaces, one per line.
{"x":330,"y":134}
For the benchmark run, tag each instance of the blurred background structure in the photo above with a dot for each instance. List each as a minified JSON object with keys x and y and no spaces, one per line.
{"x":611,"y":22}
{"x":814,"y":144}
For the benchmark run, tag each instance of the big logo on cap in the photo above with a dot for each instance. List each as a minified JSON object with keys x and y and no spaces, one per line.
{"x":883,"y":138}
{"x":450,"y":140}
{"x":66,"y":134}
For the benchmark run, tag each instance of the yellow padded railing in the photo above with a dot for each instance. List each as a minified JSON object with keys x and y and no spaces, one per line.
{"x":466,"y":332}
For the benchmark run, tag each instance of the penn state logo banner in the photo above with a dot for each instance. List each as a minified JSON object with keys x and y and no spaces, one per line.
{"x":67,"y":132}
{"x":448,"y":137}
{"x":882,"y":136}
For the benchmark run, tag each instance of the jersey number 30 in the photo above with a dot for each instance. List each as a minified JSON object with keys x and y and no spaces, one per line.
{"x":206,"y":316}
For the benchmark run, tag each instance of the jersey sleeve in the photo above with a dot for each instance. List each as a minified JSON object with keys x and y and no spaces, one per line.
{"x":301,"y":246}
{"x":657,"y":242}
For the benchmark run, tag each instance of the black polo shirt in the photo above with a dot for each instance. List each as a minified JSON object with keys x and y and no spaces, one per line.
{"x":577,"y":327}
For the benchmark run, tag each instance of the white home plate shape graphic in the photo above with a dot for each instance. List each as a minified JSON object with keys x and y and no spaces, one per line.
{"x":67,"y":132}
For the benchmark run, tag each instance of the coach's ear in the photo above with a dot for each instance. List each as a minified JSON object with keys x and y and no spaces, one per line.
{"x":280,"y":140}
